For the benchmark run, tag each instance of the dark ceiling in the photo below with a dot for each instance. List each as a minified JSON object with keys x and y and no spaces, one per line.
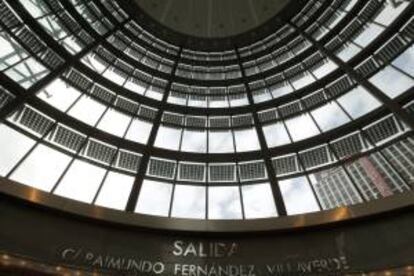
{"x":212,"y":18}
{"x":212,"y":25}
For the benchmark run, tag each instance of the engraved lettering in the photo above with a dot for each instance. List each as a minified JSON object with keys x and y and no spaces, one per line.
{"x":178,"y":248}
{"x":204,"y":250}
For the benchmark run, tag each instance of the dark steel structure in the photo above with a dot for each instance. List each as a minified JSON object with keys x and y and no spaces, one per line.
{"x":300,"y":129}
{"x":307,"y":89}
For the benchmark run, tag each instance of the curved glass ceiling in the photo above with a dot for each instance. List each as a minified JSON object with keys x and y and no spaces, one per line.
{"x":317,"y":115}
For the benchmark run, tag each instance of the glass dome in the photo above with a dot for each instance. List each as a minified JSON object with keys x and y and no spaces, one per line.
{"x":310,"y":111}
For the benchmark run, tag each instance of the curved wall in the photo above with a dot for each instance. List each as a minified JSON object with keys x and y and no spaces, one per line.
{"x":317,"y":115}
{"x":382,"y":240}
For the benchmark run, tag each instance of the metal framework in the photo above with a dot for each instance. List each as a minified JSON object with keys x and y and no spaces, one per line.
{"x":181,"y":85}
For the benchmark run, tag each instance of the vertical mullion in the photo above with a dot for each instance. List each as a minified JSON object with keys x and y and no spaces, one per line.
{"x":112,"y":163}
{"x":277,"y":194}
{"x":136,"y":188}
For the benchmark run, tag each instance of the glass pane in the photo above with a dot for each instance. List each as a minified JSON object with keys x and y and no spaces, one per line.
{"x":136,"y":88}
{"x":371,"y":31}
{"x":115,"y":191}
{"x":325,"y":69}
{"x":224,"y":203}
{"x":391,"y":11}
{"x":358,"y":102}
{"x":276,"y":135}
{"x":334,"y":188}
{"x":261,"y":96}
{"x":194,"y":141}
{"x":392,"y":82}
{"x":406,"y":61}
{"x":305,"y":80}
{"x":177,"y":100}
{"x":218,"y":103}
{"x":348,"y":52}
{"x":36,"y":8}
{"x":401,"y":156}
{"x":81,"y":182}
{"x":94,"y":64}
{"x":198,"y":102}
{"x":72,"y":44}
{"x":139,"y":131}
{"x":281,"y":90}
{"x":27,"y":72}
{"x":154,"y":198}
{"x":189,"y":202}
{"x":301,"y":127}
{"x":298,"y":196}
{"x":11,"y":52}
{"x":375,"y":177}
{"x":42,"y":168}
{"x":151,"y":93}
{"x":168,"y":138}
{"x":13,"y":146}
{"x":330,"y":116}
{"x":59,"y":94}
{"x":239,"y":101}
{"x":220,"y":141}
{"x":112,"y":76}
{"x":87,"y":110}
{"x":114,"y":122}
{"x":246,"y":140}
{"x":258,"y":201}
{"x":53,"y":27}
